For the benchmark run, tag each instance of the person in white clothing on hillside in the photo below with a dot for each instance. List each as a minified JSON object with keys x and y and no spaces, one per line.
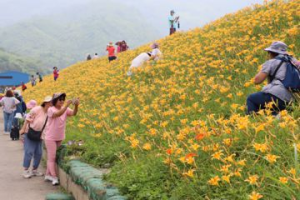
{"x":155,"y":54}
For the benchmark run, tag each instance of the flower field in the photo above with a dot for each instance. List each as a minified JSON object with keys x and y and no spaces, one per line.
{"x":177,"y":128}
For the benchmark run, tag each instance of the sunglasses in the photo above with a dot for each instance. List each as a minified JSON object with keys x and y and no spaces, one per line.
{"x":61,"y":98}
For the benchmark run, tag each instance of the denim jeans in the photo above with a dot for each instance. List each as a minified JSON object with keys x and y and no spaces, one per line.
{"x":32,"y":149}
{"x":8,"y":119}
{"x":258,"y":101}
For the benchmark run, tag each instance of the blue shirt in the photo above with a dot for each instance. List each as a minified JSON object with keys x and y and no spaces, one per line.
{"x":172,"y":18}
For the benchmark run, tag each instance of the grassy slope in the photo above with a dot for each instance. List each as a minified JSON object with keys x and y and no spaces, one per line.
{"x":177,"y":129}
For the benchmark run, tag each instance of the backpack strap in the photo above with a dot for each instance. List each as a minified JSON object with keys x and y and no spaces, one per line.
{"x":272,"y":77}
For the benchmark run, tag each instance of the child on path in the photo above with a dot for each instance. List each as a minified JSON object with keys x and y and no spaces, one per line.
{"x":155,"y":54}
{"x":36,"y":120}
{"x":55,"y":130}
{"x":55,"y":73}
{"x":111,"y":52}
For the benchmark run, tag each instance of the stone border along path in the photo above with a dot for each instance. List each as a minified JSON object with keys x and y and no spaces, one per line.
{"x":12,"y":184}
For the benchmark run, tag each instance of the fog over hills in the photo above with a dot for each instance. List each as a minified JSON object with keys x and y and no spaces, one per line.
{"x":61,"y":32}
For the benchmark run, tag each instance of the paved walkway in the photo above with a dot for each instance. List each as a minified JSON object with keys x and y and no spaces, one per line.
{"x":12,"y":185}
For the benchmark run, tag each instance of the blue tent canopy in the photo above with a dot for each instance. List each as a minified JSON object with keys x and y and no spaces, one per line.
{"x":13,"y":78}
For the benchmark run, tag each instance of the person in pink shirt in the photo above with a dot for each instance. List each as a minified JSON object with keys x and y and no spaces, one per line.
{"x":111,"y":52}
{"x":36,"y":120}
{"x":55,"y":130}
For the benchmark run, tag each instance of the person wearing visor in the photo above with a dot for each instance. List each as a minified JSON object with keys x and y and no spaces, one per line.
{"x":155,"y":54}
{"x":36,"y":119}
{"x":274,"y":91}
{"x":55,"y":130}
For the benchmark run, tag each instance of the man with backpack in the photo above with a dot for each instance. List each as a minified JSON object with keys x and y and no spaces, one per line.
{"x":283,"y":79}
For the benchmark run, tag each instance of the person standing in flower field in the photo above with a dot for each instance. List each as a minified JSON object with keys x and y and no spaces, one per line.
{"x":95,"y":56}
{"x":23,"y":86}
{"x":173,"y":22}
{"x":155,"y":54}
{"x":55,"y":73}
{"x":275,"y":71}
{"x":33,"y":80}
{"x":111,"y":52}
{"x":55,"y":130}
{"x":40,"y":77}
{"x":36,"y":120}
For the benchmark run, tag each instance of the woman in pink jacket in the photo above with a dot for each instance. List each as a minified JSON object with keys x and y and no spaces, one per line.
{"x":55,"y":130}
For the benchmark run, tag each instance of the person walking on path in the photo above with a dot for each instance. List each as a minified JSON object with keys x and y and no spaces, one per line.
{"x":274,"y":91}
{"x":155,"y":54}
{"x":36,"y":120}
{"x":55,"y":73}
{"x":55,"y":130}
{"x":40,"y":77}
{"x":173,"y":22}
{"x":111,"y":52}
{"x":9,"y":103}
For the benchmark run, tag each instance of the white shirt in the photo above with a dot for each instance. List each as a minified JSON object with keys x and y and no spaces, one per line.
{"x":9,"y":104}
{"x":156,"y":53}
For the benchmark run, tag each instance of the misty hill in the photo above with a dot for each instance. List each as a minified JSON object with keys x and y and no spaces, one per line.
{"x":10,"y":61}
{"x":65,"y":38}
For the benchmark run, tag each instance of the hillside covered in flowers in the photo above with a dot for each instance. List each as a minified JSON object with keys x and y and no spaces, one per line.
{"x":177,"y":128}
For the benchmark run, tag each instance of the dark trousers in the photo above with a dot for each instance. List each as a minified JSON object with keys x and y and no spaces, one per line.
{"x":111,"y":58}
{"x":172,"y":30}
{"x":258,"y":101}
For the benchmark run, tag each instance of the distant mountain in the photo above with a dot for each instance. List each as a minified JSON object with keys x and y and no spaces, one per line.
{"x":66,"y":38}
{"x":10,"y":61}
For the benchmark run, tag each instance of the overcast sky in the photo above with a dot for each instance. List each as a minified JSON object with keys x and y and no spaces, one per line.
{"x":193,"y":12}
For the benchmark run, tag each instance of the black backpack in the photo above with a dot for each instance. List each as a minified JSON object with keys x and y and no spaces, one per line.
{"x":15,"y":132}
{"x":24,"y":107}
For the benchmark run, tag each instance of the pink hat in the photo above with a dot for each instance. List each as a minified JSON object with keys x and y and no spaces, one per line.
{"x":31,"y":104}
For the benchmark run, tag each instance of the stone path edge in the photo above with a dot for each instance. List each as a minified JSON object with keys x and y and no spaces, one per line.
{"x":83,"y":181}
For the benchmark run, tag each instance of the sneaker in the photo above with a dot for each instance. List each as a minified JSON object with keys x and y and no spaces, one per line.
{"x":6,"y":133}
{"x":37,"y":173}
{"x":27,"y":174}
{"x":55,"y":181}
{"x":48,"y":178}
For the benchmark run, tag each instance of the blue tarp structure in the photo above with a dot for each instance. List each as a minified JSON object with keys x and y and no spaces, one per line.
{"x":12,"y":78}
